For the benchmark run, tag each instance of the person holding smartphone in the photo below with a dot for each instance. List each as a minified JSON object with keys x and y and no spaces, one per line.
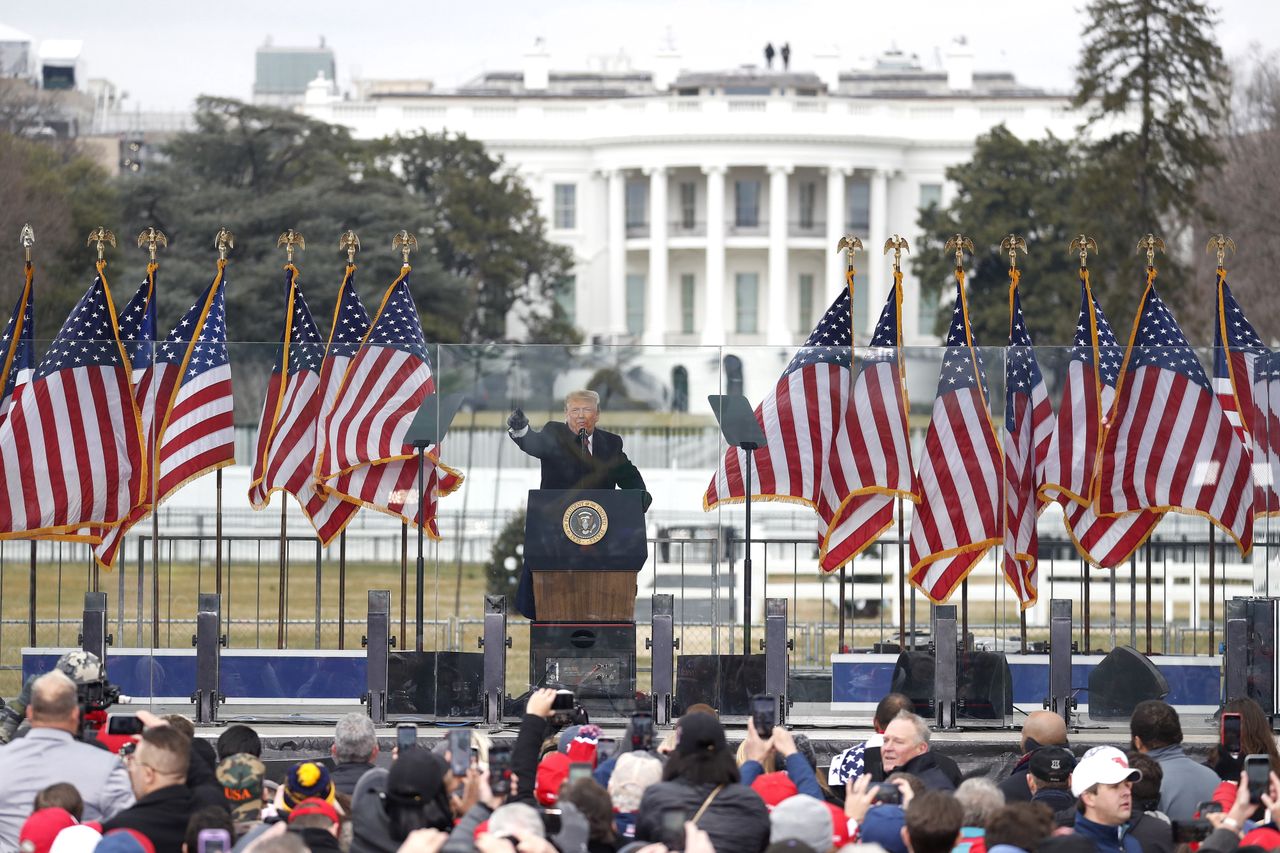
{"x":781,"y":742}
{"x":1244,"y":730}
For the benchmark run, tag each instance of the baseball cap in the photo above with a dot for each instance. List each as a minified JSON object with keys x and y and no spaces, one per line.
{"x":803,"y":818}
{"x":240,"y":776}
{"x":312,"y":806}
{"x":552,"y":771}
{"x":1102,"y":765}
{"x":699,"y":732}
{"x":76,"y":839}
{"x":633,"y":772}
{"x":883,"y":825}
{"x":39,"y":830}
{"x":1052,"y":764}
{"x":125,"y":841}
{"x":773,"y":788}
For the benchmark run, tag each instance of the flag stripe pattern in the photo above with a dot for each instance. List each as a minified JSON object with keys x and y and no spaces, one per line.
{"x":1092,"y":369}
{"x":798,"y":419}
{"x":869,"y":460}
{"x":366,"y":460}
{"x":1028,"y":429}
{"x":1236,"y":349}
{"x":285,"y":454}
{"x":191,"y":404}
{"x":959,"y":478}
{"x":328,"y":512}
{"x":71,"y":450}
{"x":19,"y":349}
{"x":1169,"y":444}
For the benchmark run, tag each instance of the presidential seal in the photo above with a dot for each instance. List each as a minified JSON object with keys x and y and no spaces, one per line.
{"x":585,"y":522}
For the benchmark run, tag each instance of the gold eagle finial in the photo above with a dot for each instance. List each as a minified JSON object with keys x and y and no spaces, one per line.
{"x":1221,"y":244}
{"x":27,"y":237}
{"x":222,"y":241}
{"x":291,"y":239}
{"x":1014,"y":244}
{"x":1150,"y":244}
{"x":896,"y":244}
{"x":350,"y":244}
{"x":406,"y":243}
{"x":1084,"y":244}
{"x":102,"y":237}
{"x":959,"y":244}
{"x":151,"y":239}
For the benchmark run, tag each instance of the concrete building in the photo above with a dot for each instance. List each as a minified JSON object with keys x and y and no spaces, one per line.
{"x":703,"y":207}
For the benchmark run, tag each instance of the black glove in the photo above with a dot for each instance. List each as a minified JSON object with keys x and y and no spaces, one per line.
{"x":517,"y":421}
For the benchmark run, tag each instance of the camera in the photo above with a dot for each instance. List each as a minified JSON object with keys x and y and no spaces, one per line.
{"x":566,"y":712}
{"x":642,"y":732}
{"x":764,"y":715}
{"x":888,"y":793}
{"x":1190,"y":831}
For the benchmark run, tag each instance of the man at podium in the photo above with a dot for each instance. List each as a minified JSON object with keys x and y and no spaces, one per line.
{"x":575,"y":454}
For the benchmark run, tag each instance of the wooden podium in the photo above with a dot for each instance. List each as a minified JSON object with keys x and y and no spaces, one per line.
{"x":584,"y":548}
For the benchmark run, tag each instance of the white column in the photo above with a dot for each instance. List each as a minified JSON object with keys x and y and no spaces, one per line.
{"x":834,"y":281}
{"x":777,"y":332}
{"x":655,"y":314}
{"x":617,"y":217}
{"x":878,"y":264}
{"x":713,"y":322}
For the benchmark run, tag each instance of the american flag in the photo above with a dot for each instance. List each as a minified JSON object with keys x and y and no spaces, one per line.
{"x":869,"y":461}
{"x":799,"y":420}
{"x":1028,"y":429}
{"x":1169,"y":445}
{"x":1265,"y":424}
{"x":191,"y":424}
{"x":285,"y":455}
{"x":329,"y":513}
{"x":1236,"y":349}
{"x":19,"y":351}
{"x":959,"y":478}
{"x":366,"y":460}
{"x":71,"y":450}
{"x":1073,"y":450}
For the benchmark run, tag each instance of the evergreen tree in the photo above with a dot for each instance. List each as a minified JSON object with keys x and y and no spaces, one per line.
{"x":1156,"y":62}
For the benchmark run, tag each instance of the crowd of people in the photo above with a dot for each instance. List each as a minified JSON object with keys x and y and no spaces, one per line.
{"x":556,"y":791}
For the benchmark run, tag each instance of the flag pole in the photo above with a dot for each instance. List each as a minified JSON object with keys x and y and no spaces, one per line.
{"x":28,"y":238}
{"x":151,"y":239}
{"x":959,"y":243}
{"x":898,"y":244}
{"x":1219,"y":243}
{"x":290,"y":240}
{"x":849,"y":244}
{"x":1012,"y":244}
{"x":223,"y":241}
{"x":101,"y":236}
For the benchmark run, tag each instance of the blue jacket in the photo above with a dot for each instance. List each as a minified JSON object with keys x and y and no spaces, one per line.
{"x":798,"y":771}
{"x":1108,"y":839}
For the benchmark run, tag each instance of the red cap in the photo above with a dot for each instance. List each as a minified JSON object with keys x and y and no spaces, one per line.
{"x":840,"y":835}
{"x":552,"y":772}
{"x":773,"y":788}
{"x":37,"y":834}
{"x":314,"y":805}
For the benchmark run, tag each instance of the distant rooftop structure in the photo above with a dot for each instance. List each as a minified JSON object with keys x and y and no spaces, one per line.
{"x":282,"y":74}
{"x":15,"y":52}
{"x":577,"y":84}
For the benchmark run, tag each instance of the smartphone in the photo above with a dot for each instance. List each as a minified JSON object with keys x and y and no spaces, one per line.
{"x":1208,"y":807}
{"x":1191,"y":831}
{"x":460,"y":751}
{"x":605,"y":748}
{"x":1257,"y":769}
{"x":500,"y":770}
{"x":124,"y":724}
{"x":764,"y":714}
{"x":888,"y":793}
{"x":213,"y":841}
{"x":1229,"y":734}
{"x":406,"y":736}
{"x":579,"y":770}
{"x":672,"y":834}
{"x":642,"y":732}
{"x":551,"y":821}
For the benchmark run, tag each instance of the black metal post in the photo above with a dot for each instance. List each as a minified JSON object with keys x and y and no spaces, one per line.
{"x":1060,"y":699}
{"x":775,"y":653}
{"x":495,"y":643}
{"x":662,"y":643}
{"x":422,"y":567}
{"x":746,"y":560}
{"x":378,"y":642}
{"x":944,"y":661}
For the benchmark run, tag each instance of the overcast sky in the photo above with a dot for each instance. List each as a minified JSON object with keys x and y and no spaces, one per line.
{"x":164,"y":55}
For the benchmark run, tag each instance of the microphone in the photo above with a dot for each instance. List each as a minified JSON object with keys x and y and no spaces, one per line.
{"x":582,"y":438}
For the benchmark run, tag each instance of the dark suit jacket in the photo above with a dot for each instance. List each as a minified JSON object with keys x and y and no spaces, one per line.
{"x":566,"y":466}
{"x":161,"y":816}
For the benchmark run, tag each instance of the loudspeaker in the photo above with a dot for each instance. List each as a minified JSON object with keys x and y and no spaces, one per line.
{"x":725,"y":682}
{"x":596,"y":660}
{"x":984,"y":687}
{"x":913,"y":678}
{"x":1120,"y":681}
{"x":438,"y":684}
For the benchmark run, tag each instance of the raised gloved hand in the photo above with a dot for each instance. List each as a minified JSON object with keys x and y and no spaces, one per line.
{"x":517,"y":421}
